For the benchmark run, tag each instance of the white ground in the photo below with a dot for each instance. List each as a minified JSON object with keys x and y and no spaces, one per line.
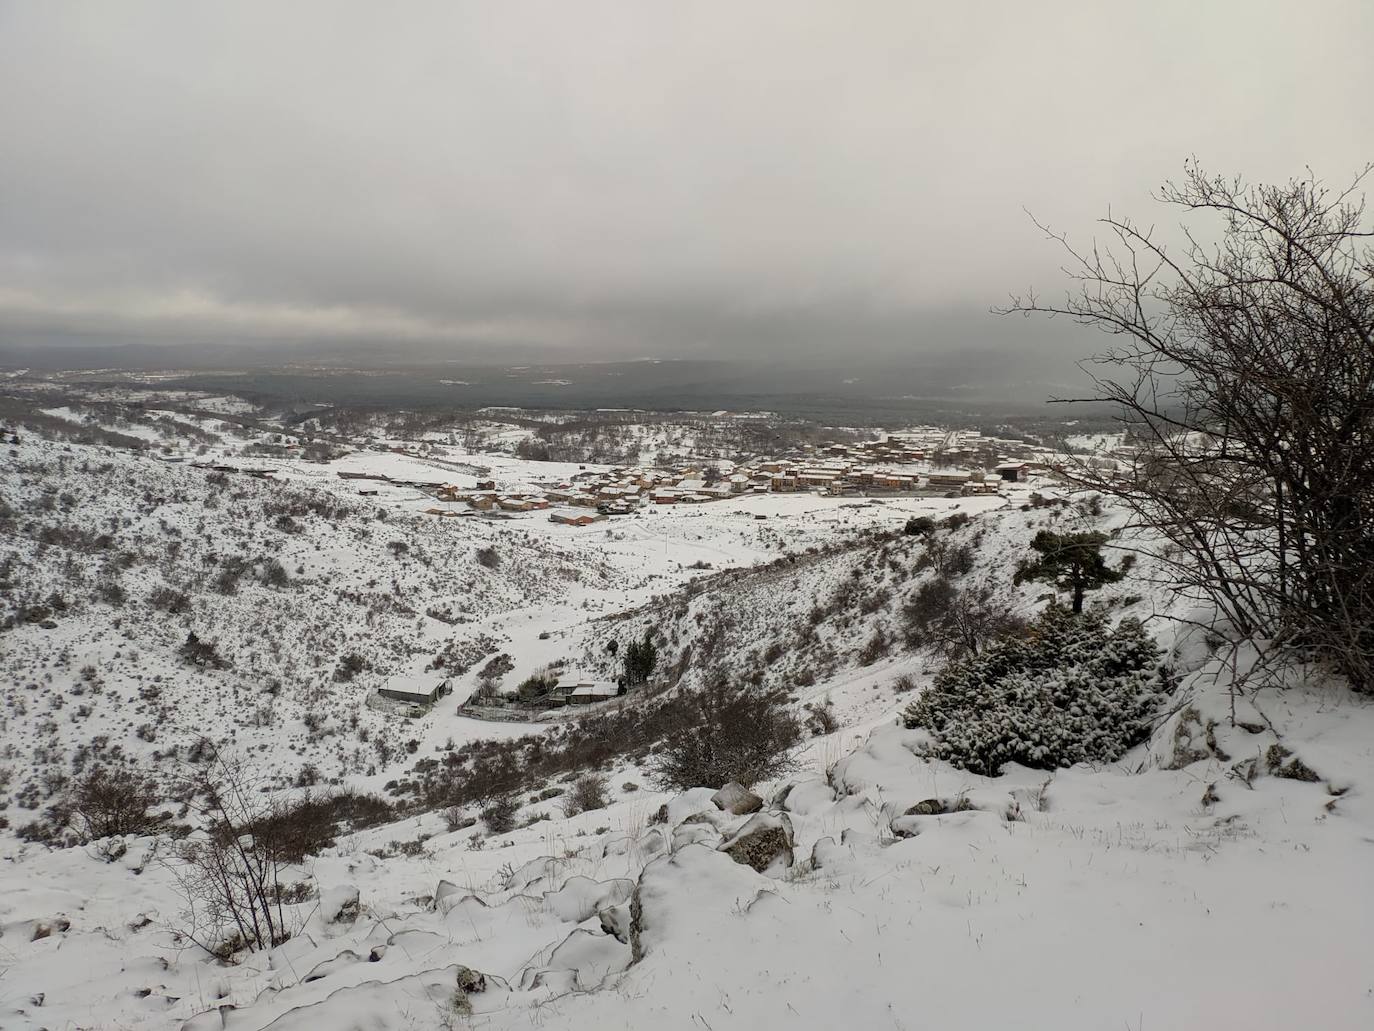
{"x":1113,"y":897}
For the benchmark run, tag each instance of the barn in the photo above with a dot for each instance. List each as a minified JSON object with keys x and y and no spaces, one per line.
{"x":415,"y":690}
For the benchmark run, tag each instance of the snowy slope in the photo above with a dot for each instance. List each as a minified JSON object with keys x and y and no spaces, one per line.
{"x":1195,"y":883}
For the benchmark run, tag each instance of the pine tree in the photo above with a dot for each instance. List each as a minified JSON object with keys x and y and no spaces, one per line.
{"x":640,"y":659}
{"x":1071,"y":562}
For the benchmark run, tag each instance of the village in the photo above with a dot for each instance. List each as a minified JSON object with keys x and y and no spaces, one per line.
{"x":921,"y":462}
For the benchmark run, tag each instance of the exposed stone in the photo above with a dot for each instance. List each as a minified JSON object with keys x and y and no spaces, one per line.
{"x":929,"y":807}
{"x":443,"y":891}
{"x":737,"y":800}
{"x":471,"y":981}
{"x":636,"y":924}
{"x":695,"y":834}
{"x":763,"y":843}
{"x":826,"y":853}
{"x":339,"y":905}
{"x":1293,"y":769}
{"x":615,"y":921}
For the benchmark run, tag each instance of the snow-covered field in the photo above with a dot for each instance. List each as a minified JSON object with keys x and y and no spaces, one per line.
{"x":1177,"y":888}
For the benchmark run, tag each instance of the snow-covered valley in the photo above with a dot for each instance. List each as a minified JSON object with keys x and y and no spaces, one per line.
{"x":1204,"y":879}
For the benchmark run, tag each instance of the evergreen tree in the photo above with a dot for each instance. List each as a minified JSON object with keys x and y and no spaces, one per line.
{"x":1071,"y":562}
{"x":640,"y":659}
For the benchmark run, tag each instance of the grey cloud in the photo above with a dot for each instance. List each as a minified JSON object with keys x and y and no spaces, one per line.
{"x":619,"y":179}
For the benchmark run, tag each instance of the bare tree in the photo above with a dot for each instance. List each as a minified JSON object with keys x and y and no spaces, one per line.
{"x":109,"y":801}
{"x":957,"y":621}
{"x":229,"y":877}
{"x":728,"y":733}
{"x":1243,"y":369}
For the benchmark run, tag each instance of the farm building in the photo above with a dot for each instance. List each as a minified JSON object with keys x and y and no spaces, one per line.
{"x":574,"y":518}
{"x":1013,"y":472}
{"x":415,"y":690}
{"x":585,"y":692}
{"x":949,"y":479}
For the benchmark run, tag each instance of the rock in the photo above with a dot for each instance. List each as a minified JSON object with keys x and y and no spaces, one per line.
{"x":689,"y":803}
{"x":695,"y":834}
{"x":471,"y":981}
{"x":339,"y":905}
{"x":737,"y":800}
{"x":1293,"y":769}
{"x":346,"y":958}
{"x":763,"y":843}
{"x":615,"y":921}
{"x":812,"y":796}
{"x":580,"y":898}
{"x":930,"y":807}
{"x":651,"y":843}
{"x":636,"y":928}
{"x":825,"y":853}
{"x":443,"y":890}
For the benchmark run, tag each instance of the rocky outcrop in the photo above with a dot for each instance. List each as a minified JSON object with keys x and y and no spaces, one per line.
{"x":339,"y":905}
{"x":737,"y":800}
{"x":764,"y":843}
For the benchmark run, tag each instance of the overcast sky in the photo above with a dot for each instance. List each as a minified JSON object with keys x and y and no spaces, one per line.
{"x":626,"y":178}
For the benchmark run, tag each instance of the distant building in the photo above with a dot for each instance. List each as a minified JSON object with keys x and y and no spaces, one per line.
{"x":416,"y":692}
{"x":575,"y":518}
{"x":1013,"y":472}
{"x":586,"y":692}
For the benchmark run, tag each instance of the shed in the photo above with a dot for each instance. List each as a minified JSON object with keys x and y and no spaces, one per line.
{"x":586,"y":692}
{"x":417,"y":691}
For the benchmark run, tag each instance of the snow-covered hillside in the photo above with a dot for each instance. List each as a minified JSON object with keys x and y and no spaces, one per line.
{"x":1210,"y":877}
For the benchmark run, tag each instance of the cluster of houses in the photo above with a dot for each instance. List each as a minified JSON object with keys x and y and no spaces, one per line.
{"x":924,"y":460}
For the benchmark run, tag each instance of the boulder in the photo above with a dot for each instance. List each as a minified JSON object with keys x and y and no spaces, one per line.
{"x":615,"y":921}
{"x":689,"y":803}
{"x":764,"y":843}
{"x":930,"y":807}
{"x":695,"y":834}
{"x":737,"y":800}
{"x":651,"y":843}
{"x":825,"y":853}
{"x":470,"y":980}
{"x":339,"y":905}
{"x":443,"y":890}
{"x":581,"y":898}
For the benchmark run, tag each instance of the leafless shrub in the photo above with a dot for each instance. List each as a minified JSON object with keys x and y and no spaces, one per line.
{"x":587,"y":792}
{"x":230,"y":881}
{"x":875,"y":648}
{"x":499,"y":814}
{"x":729,"y":734}
{"x":1243,"y":371}
{"x":108,"y":801}
{"x":955,"y":622}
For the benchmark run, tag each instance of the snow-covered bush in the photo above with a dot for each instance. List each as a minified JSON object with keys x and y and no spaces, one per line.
{"x":1071,"y":690}
{"x":727,"y":734}
{"x":588,"y":792}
